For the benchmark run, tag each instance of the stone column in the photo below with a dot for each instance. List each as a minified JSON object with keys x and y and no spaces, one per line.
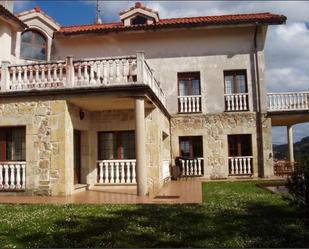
{"x":290,"y":143}
{"x":140,"y":144}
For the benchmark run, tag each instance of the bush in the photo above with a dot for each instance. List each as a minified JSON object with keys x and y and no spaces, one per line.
{"x":298,"y":183}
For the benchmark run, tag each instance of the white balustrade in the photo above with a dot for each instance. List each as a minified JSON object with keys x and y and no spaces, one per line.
{"x":288,"y":101}
{"x":12,"y":176}
{"x":236,"y":102}
{"x":71,"y":73}
{"x":105,"y":71}
{"x":192,"y":167}
{"x":189,"y":104}
{"x":240,"y":165}
{"x":117,"y":171}
{"x":37,"y":76}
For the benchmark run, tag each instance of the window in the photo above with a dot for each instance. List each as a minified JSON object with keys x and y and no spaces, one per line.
{"x":13,"y":144}
{"x":33,"y":46}
{"x":239,"y":145}
{"x":189,"y":84}
{"x":116,"y":145}
{"x":138,"y":20}
{"x":235,"y":81}
{"x":191,"y":146}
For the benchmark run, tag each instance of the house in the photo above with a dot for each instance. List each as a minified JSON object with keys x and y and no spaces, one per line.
{"x":120,"y":103}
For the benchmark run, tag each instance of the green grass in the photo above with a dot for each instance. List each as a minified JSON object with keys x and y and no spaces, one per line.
{"x":237,"y":214}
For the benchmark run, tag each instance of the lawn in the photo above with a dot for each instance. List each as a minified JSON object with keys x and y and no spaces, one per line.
{"x":237,"y":214}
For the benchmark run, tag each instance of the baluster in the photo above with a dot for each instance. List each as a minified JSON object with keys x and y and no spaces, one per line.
{"x":228,"y":100}
{"x":303,"y":100}
{"x":1,"y":176}
{"x":19,"y":78}
{"x":79,"y":73}
{"x":195,"y":167}
{"x":198,"y":104}
{"x":25,"y":78}
{"x":107,"y":175}
{"x":236,"y":166}
{"x":133,"y":172}
{"x":23,"y":176}
{"x":199,"y":166}
{"x":307,"y":101}
{"x":37,"y":76}
{"x":49,"y":77}
{"x":98,"y":63}
{"x":193,"y":104}
{"x":124,"y":73}
{"x":249,"y":165}
{"x":43,"y":76}
{"x":117,"y":172}
{"x":31,"y":76}
{"x":189,"y":99}
{"x":13,"y":78}
{"x":241,"y":166}
{"x":12,"y":176}
{"x":117,"y":71}
{"x":181,"y":104}
{"x":232,"y":170}
{"x":61,"y":78}
{"x":55,"y":75}
{"x":232,"y":102}
{"x":129,"y":175}
{"x":188,"y":167}
{"x":111,"y":72}
{"x":100,"y":172}
{"x":86,"y":75}
{"x":92,"y":80}
{"x":18,"y":185}
{"x":185,"y":99}
{"x":241,"y":101}
{"x":6,"y":176}
{"x":130,"y":73}
{"x":122,"y":179}
{"x":112,"y":167}
{"x":245,"y":97}
{"x":105,"y":75}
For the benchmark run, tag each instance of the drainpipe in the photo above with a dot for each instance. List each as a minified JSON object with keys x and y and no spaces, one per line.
{"x":259,"y":116}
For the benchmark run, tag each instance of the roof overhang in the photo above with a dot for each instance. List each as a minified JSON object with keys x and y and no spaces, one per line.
{"x":13,"y":21}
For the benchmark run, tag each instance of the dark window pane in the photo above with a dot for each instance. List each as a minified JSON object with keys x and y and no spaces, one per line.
{"x":139,"y":20}
{"x":13,"y":144}
{"x":33,"y":46}
{"x":195,"y":87}
{"x":191,"y":146}
{"x":39,"y":39}
{"x":240,"y":145}
{"x":183,"y":87}
{"x":189,"y":84}
{"x":26,"y":37}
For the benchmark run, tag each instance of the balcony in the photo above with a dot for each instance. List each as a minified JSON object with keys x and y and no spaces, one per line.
{"x":236,"y":102}
{"x":239,"y":166}
{"x":12,"y":176}
{"x":189,"y":104}
{"x":70,"y":74}
{"x":294,"y":101}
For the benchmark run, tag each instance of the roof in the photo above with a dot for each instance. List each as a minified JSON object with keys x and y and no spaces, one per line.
{"x":37,"y":9}
{"x":11,"y":18}
{"x":261,"y":18}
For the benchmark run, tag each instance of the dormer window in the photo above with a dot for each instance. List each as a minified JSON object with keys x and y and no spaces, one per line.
{"x":138,"y":20}
{"x":139,"y":15}
{"x":33,"y":46}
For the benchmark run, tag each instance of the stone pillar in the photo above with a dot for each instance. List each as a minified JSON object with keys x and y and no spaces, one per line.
{"x":140,"y":144}
{"x":290,"y":143}
{"x":4,"y":83}
{"x":140,"y":60}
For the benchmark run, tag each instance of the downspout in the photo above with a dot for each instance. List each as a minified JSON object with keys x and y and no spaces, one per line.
{"x":259,"y":115}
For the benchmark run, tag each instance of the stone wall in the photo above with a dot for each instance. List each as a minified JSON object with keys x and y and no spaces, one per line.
{"x":214,"y":128}
{"x":45,"y":122}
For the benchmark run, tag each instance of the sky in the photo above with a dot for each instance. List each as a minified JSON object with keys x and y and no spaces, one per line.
{"x":287,"y":46}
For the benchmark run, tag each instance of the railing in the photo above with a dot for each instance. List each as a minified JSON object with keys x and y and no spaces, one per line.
{"x":240,"y":165}
{"x":192,"y":167}
{"x":166,"y":169}
{"x":117,"y":171}
{"x":288,"y":101}
{"x":97,"y":72}
{"x":189,"y":104}
{"x":236,"y":102}
{"x":12,"y":176}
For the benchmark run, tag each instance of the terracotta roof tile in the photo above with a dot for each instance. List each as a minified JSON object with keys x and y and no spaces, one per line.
{"x":261,"y":18}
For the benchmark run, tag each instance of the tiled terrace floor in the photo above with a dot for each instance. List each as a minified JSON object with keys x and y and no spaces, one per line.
{"x":183,"y":191}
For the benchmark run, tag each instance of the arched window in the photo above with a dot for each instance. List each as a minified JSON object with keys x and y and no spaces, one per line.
{"x":33,"y":46}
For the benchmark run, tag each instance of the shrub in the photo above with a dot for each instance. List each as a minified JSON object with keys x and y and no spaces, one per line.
{"x":298,"y":183}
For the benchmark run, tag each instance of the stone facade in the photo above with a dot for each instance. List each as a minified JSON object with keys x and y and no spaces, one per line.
{"x":215,"y":128}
